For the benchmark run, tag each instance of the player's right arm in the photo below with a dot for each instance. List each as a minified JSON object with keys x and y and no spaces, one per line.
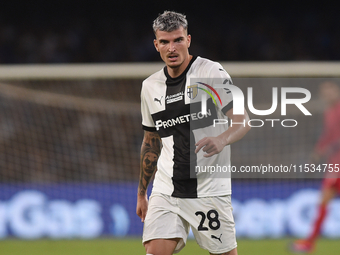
{"x":150,"y":151}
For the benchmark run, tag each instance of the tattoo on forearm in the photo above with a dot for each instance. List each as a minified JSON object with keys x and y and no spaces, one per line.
{"x":150,"y":151}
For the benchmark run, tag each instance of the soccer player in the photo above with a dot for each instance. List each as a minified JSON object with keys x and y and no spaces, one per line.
{"x":327,"y":147}
{"x":178,"y":137}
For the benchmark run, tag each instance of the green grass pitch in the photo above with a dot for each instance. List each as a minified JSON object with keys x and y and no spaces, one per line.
{"x":134,"y":246}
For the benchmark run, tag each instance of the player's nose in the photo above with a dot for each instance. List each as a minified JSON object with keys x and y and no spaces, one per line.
{"x":172,"y":47}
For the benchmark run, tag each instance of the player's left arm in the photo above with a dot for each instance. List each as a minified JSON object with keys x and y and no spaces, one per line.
{"x":214,"y":145}
{"x":150,"y":151}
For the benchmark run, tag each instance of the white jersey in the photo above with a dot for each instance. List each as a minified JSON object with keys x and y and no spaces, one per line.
{"x":172,"y":107}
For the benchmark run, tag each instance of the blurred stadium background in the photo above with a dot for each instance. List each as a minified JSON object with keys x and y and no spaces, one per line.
{"x":70,"y":124}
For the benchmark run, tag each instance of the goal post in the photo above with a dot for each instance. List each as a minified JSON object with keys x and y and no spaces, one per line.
{"x":143,"y":70}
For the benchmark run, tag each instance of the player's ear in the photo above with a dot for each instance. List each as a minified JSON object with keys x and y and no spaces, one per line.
{"x":189,"y":40}
{"x":155,"y":42}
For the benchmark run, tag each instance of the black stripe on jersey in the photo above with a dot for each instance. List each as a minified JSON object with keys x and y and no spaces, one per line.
{"x":183,"y":137}
{"x":184,"y":186}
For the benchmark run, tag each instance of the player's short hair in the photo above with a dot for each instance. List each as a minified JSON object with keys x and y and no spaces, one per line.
{"x":169,"y":21}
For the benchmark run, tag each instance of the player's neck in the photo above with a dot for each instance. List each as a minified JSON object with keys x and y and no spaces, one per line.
{"x":177,"y":71}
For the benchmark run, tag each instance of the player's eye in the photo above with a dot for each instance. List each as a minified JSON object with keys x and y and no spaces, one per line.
{"x":147,"y":161}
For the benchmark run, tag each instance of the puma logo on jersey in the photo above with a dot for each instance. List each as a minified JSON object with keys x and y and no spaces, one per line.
{"x":218,"y":238}
{"x":158,"y":100}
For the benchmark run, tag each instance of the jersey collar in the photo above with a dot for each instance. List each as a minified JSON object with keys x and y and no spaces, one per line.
{"x":175,"y":80}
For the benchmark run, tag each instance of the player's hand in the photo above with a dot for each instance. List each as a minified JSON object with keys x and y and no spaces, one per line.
{"x":210,"y":145}
{"x":142,"y":206}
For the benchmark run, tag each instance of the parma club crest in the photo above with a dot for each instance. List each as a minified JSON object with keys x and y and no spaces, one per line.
{"x":192,"y":91}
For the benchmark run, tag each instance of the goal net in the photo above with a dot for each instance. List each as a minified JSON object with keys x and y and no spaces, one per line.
{"x":70,"y":140}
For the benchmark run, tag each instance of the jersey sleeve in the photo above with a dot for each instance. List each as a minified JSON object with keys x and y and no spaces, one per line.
{"x":147,"y":121}
{"x":220,"y":76}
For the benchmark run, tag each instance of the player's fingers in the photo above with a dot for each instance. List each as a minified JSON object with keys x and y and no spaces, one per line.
{"x":209,"y":150}
{"x":200,"y":145}
{"x":206,"y":148}
{"x":144,"y":215}
{"x":200,"y":141}
{"x":209,"y":147}
{"x":210,"y":154}
{"x":139,"y":213}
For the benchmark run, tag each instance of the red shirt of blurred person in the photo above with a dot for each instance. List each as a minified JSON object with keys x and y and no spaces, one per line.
{"x":328,"y":145}
{"x":329,"y":142}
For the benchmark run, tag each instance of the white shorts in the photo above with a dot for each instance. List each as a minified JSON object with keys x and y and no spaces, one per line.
{"x":210,"y":218}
